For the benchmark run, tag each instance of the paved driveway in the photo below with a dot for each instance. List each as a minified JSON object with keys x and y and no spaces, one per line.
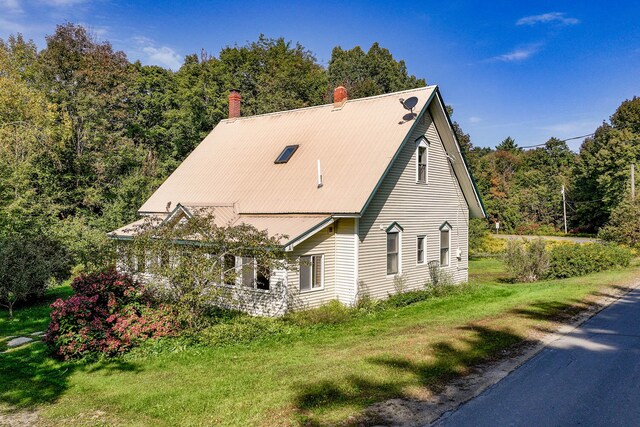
{"x":590,"y":377}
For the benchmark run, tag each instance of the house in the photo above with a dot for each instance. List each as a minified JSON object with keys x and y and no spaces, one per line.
{"x":367,"y":190}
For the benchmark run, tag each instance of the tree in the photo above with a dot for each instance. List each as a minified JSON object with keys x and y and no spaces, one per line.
{"x":624,"y":224}
{"x":367,"y":74}
{"x":27,"y":262}
{"x":508,"y":144}
{"x":90,"y":84}
{"x":189,"y":259}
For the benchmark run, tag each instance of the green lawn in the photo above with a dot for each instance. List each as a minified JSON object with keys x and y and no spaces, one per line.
{"x":319,"y":377}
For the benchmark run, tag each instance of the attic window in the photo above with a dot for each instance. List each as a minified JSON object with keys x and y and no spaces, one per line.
{"x":286,"y":154}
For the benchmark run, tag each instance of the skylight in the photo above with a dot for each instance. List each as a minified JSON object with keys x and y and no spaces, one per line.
{"x":286,"y":154}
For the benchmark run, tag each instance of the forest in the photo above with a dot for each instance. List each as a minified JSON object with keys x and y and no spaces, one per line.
{"x":86,"y":136}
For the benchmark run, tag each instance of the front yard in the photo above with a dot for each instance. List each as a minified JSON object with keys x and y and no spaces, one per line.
{"x":316,"y":376}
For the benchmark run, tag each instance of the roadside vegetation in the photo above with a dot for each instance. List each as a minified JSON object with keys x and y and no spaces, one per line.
{"x":312,"y":368}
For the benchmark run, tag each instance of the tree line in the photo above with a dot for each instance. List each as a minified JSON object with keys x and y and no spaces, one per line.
{"x":86,"y":136}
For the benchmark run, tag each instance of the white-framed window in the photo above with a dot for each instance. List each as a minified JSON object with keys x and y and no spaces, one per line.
{"x":445,"y":244}
{"x":422,"y":160}
{"x":311,"y":272}
{"x":421,"y":249}
{"x":245,"y":271}
{"x":394,"y":249}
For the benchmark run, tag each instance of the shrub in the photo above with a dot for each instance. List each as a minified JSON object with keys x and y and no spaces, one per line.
{"x":478,"y":232}
{"x":527,"y":261}
{"x":27,"y":263}
{"x":108,"y":314}
{"x":571,"y":260}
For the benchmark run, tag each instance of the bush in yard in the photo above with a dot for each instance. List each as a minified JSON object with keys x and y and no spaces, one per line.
{"x":527,"y":261}
{"x":27,"y":263}
{"x":109,"y":314}
{"x":569,"y":260}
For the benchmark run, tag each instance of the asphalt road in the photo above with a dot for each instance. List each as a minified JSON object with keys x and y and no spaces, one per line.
{"x":589,"y":377}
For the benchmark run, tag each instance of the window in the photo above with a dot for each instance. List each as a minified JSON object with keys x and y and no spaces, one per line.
{"x":248,"y":272}
{"x":444,"y":245}
{"x":420,"y":250}
{"x":311,"y":272}
{"x":286,"y":154}
{"x":393,"y":252}
{"x":230,"y":272}
{"x":262,"y":278}
{"x":394,"y":243}
{"x":422,"y":160}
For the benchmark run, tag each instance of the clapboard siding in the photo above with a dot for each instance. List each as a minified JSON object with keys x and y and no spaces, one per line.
{"x":346,"y":256}
{"x":321,"y":243}
{"x":420,"y":209}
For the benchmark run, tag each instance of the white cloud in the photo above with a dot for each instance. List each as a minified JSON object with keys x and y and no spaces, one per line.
{"x":518,"y":54}
{"x":62,"y":3}
{"x":11,"y":6}
{"x":163,"y":55}
{"x":12,"y":27}
{"x":548,"y":18}
{"x":474,"y":120}
{"x":572,"y":128}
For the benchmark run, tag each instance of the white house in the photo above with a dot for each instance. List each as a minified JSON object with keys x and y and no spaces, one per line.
{"x":366,"y":190}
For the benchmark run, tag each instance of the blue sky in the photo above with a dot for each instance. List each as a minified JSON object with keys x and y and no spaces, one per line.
{"x":529,"y":70}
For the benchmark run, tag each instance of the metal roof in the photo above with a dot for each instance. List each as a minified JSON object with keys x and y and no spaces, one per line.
{"x":235,"y":162}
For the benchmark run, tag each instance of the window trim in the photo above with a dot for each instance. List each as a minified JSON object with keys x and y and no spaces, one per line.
{"x":424,"y":249}
{"x":422,"y":142}
{"x":394,"y":228}
{"x":311,"y":289}
{"x":445,"y":227}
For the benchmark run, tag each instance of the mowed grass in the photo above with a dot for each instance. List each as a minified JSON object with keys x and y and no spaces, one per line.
{"x":324,"y":375}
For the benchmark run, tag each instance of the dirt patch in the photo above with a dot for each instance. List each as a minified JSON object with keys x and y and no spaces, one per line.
{"x":422,"y":411}
{"x":19,"y":419}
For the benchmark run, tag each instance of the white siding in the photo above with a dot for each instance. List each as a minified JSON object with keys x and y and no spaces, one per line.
{"x":346,"y":255}
{"x":420,"y":209}
{"x":321,"y":243}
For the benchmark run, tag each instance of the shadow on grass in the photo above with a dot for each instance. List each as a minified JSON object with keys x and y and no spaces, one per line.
{"x":476,"y":344}
{"x":30,"y":377}
{"x":552,"y":310}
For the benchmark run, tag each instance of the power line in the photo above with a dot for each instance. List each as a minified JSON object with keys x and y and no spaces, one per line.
{"x":628,"y":125}
{"x":561,"y":140}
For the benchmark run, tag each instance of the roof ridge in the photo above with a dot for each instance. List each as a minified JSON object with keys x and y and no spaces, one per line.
{"x":233,"y":120}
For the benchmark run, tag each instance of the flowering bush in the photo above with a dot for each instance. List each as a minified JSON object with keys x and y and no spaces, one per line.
{"x":109,"y":314}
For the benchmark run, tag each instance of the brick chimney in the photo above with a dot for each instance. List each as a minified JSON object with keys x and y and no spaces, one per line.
{"x":339,"y":96}
{"x":234,"y":103}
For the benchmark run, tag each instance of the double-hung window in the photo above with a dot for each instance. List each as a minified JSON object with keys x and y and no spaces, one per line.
{"x":311,"y":272}
{"x":394,"y":249}
{"x":393,"y":252}
{"x":445,"y":243}
{"x":420,"y":249}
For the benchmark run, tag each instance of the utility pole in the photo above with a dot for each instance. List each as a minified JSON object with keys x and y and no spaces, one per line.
{"x":633,"y":181}
{"x":564,"y":209}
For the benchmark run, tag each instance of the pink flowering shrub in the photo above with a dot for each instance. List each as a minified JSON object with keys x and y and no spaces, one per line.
{"x":109,"y":314}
